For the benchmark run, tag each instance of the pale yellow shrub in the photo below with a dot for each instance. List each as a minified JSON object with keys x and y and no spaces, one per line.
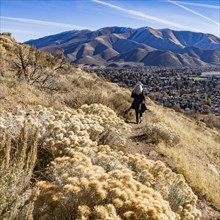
{"x":86,"y":179}
{"x":158,"y":132}
{"x":135,"y":187}
{"x":94,"y":123}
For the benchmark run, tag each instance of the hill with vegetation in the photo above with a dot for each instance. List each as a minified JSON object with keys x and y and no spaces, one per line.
{"x":120,"y":46}
{"x":63,"y":139}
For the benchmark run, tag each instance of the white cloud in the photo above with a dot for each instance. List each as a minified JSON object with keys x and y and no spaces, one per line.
{"x":194,"y":12}
{"x":41,"y":22}
{"x":140,"y":15}
{"x":200,"y":5}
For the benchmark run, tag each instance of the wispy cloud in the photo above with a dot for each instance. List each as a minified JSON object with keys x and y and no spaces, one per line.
{"x":200,"y":5}
{"x":142,"y":16}
{"x":41,"y":22}
{"x":194,"y":12}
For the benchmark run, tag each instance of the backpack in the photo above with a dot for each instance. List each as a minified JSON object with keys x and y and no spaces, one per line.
{"x":143,"y":107}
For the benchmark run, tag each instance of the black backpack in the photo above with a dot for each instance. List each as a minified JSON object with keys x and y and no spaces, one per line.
{"x":143,"y":107}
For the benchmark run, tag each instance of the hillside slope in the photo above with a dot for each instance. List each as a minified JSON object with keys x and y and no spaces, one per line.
{"x":43,"y":82}
{"x":187,"y":146}
{"x":62,"y":145}
{"x":192,"y":148}
{"x":143,"y":46}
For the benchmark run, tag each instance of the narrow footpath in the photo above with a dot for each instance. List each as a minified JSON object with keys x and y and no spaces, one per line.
{"x":136,"y":143}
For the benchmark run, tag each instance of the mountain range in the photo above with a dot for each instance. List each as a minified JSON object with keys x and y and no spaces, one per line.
{"x":120,"y":46}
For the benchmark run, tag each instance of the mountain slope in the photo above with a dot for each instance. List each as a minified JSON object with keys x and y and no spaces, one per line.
{"x":74,"y":160}
{"x":142,"y":46}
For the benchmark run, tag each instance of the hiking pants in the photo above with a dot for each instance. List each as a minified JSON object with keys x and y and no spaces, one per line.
{"x":138,"y":115}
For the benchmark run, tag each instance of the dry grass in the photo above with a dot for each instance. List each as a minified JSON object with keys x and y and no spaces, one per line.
{"x":15,"y":94}
{"x":17,"y":162}
{"x":63,"y":91}
{"x":195,"y":155}
{"x":71,"y":88}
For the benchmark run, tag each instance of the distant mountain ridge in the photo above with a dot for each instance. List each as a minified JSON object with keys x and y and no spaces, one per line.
{"x":144,"y":46}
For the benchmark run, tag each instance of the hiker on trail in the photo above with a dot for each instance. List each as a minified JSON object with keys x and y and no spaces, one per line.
{"x":138,"y":102}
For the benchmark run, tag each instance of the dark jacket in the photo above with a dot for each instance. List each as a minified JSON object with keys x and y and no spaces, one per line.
{"x":138,"y":99}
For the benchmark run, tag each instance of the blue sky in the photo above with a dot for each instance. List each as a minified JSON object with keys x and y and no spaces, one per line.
{"x":31,"y":19}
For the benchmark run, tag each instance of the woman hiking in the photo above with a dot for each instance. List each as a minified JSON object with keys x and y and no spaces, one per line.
{"x":138,"y":96}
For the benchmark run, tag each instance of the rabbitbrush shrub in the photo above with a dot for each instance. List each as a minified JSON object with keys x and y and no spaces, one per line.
{"x":87,"y":179}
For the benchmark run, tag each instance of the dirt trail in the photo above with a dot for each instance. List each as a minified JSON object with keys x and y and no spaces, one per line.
{"x":136,"y":143}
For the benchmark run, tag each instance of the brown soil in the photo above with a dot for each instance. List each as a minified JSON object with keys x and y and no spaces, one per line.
{"x":136,"y":143}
